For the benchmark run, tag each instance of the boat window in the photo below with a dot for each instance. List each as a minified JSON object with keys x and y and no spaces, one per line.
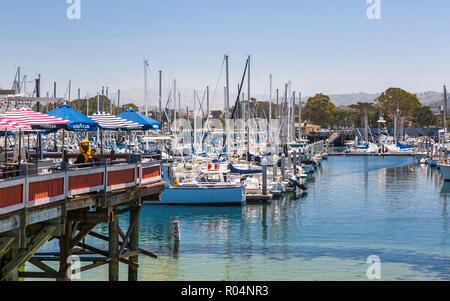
{"x":213,"y":178}
{"x":202,"y":179}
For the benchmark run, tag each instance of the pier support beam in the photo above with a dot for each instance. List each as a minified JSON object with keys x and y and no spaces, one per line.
{"x":65,"y":251}
{"x":264,"y":176}
{"x":134,"y":241}
{"x":20,"y":256}
{"x":114,"y":246}
{"x":4,"y":244}
{"x":275,"y":168}
{"x":295,"y":162}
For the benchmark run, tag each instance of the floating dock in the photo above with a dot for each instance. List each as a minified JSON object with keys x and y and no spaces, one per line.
{"x":256,"y":198}
{"x":67,"y":205}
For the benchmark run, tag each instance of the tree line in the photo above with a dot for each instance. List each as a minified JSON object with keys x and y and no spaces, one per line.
{"x":320,"y":110}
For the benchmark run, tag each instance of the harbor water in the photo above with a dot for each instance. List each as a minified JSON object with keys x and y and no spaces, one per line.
{"x":356,"y":207}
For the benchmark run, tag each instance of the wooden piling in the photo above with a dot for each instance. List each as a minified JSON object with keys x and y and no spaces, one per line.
{"x":65,"y":252}
{"x":134,"y":241}
{"x":264,"y":176}
{"x":114,"y":246}
{"x":275,"y":168}
{"x":295,"y":162}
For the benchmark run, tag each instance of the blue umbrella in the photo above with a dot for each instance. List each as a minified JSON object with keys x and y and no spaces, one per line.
{"x":80,"y":122}
{"x":147,"y":122}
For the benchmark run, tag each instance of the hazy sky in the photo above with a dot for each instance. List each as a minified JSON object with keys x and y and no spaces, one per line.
{"x":327,"y":46}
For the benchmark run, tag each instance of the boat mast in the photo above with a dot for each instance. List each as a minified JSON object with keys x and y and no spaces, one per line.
{"x":160,"y":96}
{"x":118,"y":101}
{"x":248,"y":103}
{"x":24,"y":84}
{"x":227,"y":86}
{"x":195,"y":124}
{"x":293,"y":117}
{"x":270,"y":107}
{"x":284,"y":113}
{"x":300,"y":115}
{"x":445,"y":114}
{"x":145,"y":87}
{"x":174,"y":105}
{"x":366,"y":126}
{"x":70,"y":86}
{"x":207,"y":102}
{"x":227,"y":107}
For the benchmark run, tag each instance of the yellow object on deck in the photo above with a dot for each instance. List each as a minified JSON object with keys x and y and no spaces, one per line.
{"x":22,"y":269}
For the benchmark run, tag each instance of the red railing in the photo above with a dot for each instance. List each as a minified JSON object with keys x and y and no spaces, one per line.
{"x":35,"y":190}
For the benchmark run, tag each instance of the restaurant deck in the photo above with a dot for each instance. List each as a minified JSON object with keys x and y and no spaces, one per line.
{"x":67,"y":205}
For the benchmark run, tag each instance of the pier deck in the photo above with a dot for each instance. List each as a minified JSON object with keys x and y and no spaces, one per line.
{"x":67,"y":206}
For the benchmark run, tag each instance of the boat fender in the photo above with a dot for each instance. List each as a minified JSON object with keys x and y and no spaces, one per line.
{"x":175,"y":182}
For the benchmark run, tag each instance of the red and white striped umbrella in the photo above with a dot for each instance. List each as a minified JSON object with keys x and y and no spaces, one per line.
{"x":11,"y":126}
{"x":24,"y":118}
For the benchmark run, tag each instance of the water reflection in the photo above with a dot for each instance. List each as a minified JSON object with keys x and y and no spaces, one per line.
{"x":355,"y":207}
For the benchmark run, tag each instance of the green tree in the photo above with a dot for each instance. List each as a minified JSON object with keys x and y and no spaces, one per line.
{"x":361,"y":109}
{"x":344,"y":117}
{"x":130,"y":106}
{"x":423,"y":117}
{"x":393,"y":98}
{"x":319,"y":110}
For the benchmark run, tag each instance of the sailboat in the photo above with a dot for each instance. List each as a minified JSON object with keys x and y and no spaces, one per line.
{"x":211,"y":187}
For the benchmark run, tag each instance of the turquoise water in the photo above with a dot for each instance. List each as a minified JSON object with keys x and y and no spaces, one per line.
{"x":355,"y":207}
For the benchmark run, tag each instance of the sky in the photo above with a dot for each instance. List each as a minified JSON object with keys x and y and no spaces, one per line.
{"x":320,"y":46}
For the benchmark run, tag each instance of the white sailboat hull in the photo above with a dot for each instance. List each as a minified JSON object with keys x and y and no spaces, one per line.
{"x":445,"y":171}
{"x":419,"y":156}
{"x":307,"y":168}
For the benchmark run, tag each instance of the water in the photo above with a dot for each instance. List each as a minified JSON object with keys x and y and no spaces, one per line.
{"x":355,"y":207}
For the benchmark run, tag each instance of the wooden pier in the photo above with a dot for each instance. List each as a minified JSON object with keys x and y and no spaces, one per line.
{"x":258,"y":198}
{"x":67,"y":206}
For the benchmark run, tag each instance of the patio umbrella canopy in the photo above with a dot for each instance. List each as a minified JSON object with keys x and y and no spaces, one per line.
{"x":80,"y":122}
{"x":107,"y":121}
{"x":147,"y":122}
{"x":11,"y":126}
{"x":27,"y":119}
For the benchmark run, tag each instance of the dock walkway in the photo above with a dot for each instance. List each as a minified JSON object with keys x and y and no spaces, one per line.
{"x":68,"y":205}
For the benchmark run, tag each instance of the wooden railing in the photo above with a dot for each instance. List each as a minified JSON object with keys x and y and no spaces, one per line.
{"x":40,"y":189}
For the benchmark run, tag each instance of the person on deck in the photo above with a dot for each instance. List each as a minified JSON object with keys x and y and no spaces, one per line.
{"x":93,"y":158}
{"x":85,"y":152}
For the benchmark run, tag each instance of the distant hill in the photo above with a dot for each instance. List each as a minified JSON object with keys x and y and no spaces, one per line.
{"x":135,"y":95}
{"x":429,"y":98}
